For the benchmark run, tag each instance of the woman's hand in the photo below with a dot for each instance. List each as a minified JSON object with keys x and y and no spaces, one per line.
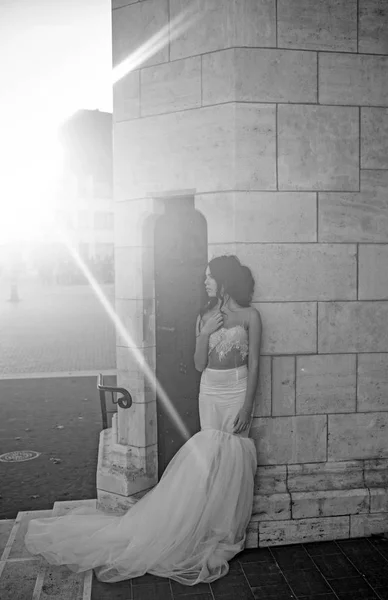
{"x":213,"y":323}
{"x":242,"y":420}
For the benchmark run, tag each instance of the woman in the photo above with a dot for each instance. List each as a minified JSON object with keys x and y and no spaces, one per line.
{"x":194,"y":521}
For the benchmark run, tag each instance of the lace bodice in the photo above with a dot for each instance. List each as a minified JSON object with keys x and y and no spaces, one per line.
{"x":223,"y":340}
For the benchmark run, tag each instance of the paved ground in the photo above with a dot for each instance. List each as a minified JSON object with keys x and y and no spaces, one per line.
{"x":61,"y":419}
{"x":54,"y":329}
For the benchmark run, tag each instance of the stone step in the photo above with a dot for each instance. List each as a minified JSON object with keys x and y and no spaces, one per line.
{"x":26,"y":577}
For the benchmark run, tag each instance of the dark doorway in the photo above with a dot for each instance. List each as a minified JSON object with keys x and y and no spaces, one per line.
{"x":180,"y":262}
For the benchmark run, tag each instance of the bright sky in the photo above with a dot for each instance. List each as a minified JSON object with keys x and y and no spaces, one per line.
{"x":55,"y":57}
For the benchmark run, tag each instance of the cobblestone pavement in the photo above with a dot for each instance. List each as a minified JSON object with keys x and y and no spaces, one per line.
{"x":54,"y":329}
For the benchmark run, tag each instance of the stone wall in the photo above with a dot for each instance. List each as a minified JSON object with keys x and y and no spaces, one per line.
{"x":275,"y":115}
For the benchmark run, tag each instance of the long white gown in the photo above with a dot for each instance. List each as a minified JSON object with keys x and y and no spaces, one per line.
{"x":190,"y":524}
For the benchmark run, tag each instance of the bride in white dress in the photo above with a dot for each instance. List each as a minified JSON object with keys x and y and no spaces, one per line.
{"x":194,"y":520}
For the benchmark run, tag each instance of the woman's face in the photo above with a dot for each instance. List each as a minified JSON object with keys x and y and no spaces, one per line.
{"x":210,"y":284}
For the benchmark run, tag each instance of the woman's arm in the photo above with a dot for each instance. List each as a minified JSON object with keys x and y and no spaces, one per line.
{"x":254,"y":327}
{"x":201,"y":347}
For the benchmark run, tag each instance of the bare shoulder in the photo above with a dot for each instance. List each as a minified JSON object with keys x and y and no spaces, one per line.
{"x":254,"y":316}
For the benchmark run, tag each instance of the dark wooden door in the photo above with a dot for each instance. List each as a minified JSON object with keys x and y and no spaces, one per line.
{"x":180,"y":262}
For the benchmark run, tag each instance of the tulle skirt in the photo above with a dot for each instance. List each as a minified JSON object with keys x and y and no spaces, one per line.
{"x":190,"y":524}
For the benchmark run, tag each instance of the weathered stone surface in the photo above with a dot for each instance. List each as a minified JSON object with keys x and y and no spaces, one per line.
{"x":214,"y":25}
{"x":283,"y":385}
{"x":209,"y":149}
{"x":284,"y":440}
{"x":121,"y":3}
{"x":126,"y":97}
{"x":275,"y":507}
{"x":259,"y":75}
{"x":302,"y":531}
{"x":271,"y":480}
{"x":329,"y":503}
{"x":134,"y":25}
{"x":356,"y":217}
{"x":302,"y":272}
{"x":352,"y":327}
{"x":138,"y":320}
{"x":376,"y":472}
{"x":344,"y":475}
{"x":252,"y":539}
{"x":373,"y":26}
{"x":133,"y":273}
{"x":117,"y":503}
{"x":275,"y":217}
{"x":326,"y":384}
{"x":137,"y":426}
{"x":373,"y":272}
{"x":358,"y":436}
{"x":219,"y":212}
{"x":379,"y":500}
{"x":263,"y":394}
{"x":372,"y":382}
{"x":171,"y":87}
{"x":255,"y":147}
{"x":318,"y":147}
{"x":318,"y":24}
{"x":374,"y":137}
{"x":288,"y":327}
{"x":130,"y":374}
{"x":366,"y":525}
{"x":353,"y":79}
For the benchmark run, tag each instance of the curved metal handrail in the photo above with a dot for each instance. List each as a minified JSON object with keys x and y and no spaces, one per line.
{"x":124,"y":401}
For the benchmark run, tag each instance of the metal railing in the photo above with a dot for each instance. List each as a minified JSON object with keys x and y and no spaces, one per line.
{"x":124,"y":401}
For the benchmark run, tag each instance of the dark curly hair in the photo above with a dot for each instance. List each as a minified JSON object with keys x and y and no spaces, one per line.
{"x":233,"y":278}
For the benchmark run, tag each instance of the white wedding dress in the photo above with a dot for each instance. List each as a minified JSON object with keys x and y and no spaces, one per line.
{"x":193,"y":521}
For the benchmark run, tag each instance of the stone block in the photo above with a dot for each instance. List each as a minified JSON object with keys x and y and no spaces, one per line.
{"x":134,"y":274}
{"x":345,"y":327}
{"x":288,"y":327}
{"x":219,"y":212}
{"x":131,"y":218}
{"x":133,"y":26}
{"x":373,"y":26}
{"x":358,"y":436}
{"x":137,"y":323}
{"x":126,"y":97}
{"x":290,"y":272}
{"x":303,"y":531}
{"x":373,"y":272}
{"x":283,"y":385}
{"x":372,"y":382}
{"x":353,"y":79}
{"x":329,"y":503}
{"x":274,"y":507}
{"x":121,"y":3}
{"x":285,"y":440}
{"x":118,"y":504}
{"x":255,"y":147}
{"x":356,"y":217}
{"x":137,"y":425}
{"x":259,"y":75}
{"x":171,"y":87}
{"x":376,"y":473}
{"x":136,"y":372}
{"x":379,"y":500}
{"x":274,"y":217}
{"x":209,"y":149}
{"x":318,"y":147}
{"x":344,"y":475}
{"x":215,"y":25}
{"x":374,"y":137}
{"x":125,"y":470}
{"x":252,"y":533}
{"x":367,"y":525}
{"x":263,"y":393}
{"x":271,"y":480}
{"x":318,"y":24}
{"x":326,"y":384}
